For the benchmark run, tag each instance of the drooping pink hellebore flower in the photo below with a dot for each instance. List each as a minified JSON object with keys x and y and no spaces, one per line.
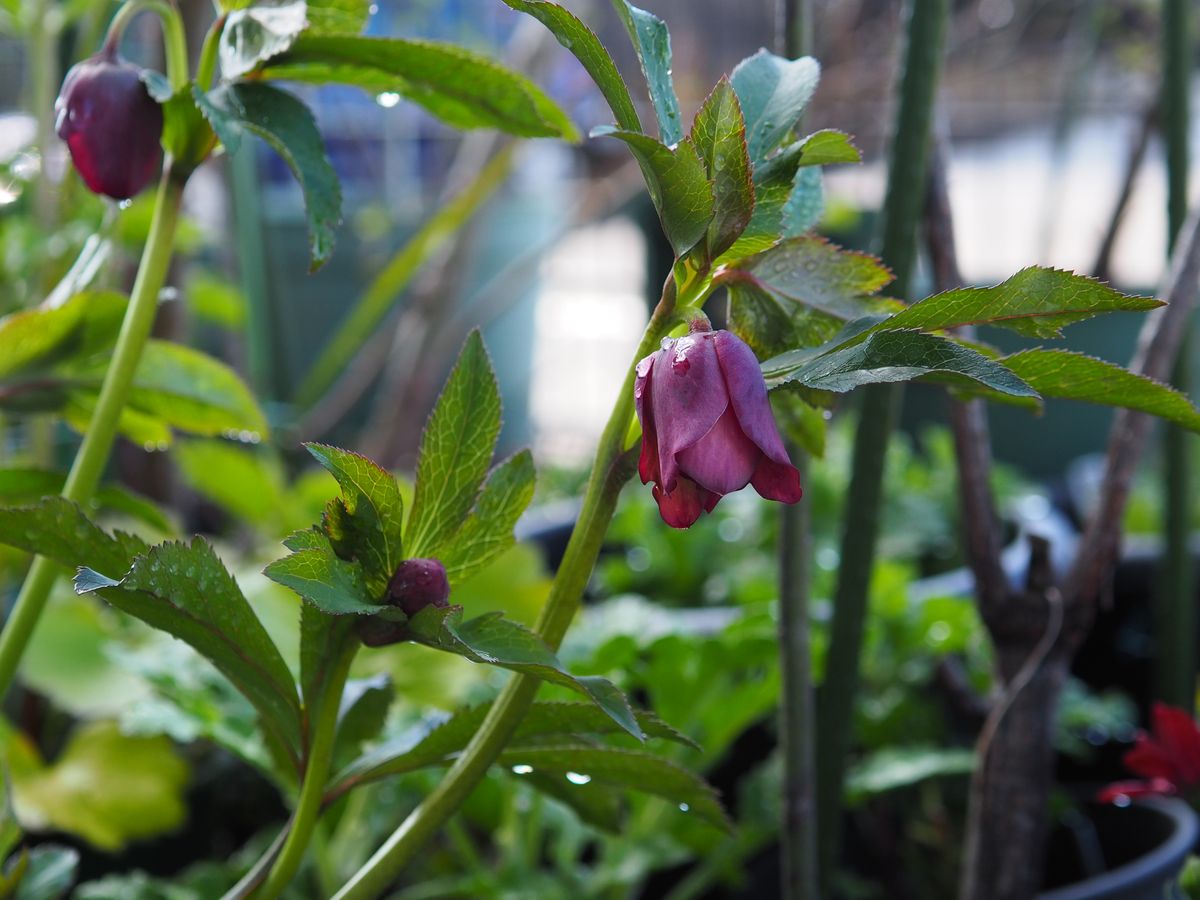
{"x":707,"y":427}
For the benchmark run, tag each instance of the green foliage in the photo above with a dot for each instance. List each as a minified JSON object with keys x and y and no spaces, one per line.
{"x":185,"y":590}
{"x":497,"y":641}
{"x":488,"y":529}
{"x":898,"y":767}
{"x":678,"y":185}
{"x":464,"y":89}
{"x":338,"y":16}
{"x":719,"y":136}
{"x":57,"y":528}
{"x":285,"y":123}
{"x":652,"y":42}
{"x":364,"y":709}
{"x":214,"y":301}
{"x":456,"y":449}
{"x":46,"y":872}
{"x":582,"y":41}
{"x":104,"y":787}
{"x":773,"y":92}
{"x":333,"y":585}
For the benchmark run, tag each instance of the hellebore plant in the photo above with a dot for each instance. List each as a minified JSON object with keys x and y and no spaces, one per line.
{"x":737,"y":196}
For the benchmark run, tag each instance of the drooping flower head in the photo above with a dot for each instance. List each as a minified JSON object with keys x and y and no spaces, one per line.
{"x":111,"y":125}
{"x":1167,"y":759}
{"x":707,"y":426}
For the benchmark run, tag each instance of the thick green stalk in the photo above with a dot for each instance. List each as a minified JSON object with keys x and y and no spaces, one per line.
{"x":94,"y":452}
{"x":174,"y":39}
{"x":318,"y":761}
{"x":609,"y":473}
{"x":1175,"y":674}
{"x":880,"y":403}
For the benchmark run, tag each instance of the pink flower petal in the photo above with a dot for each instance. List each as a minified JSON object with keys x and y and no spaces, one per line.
{"x":648,"y":468}
{"x":777,"y":481}
{"x":1175,"y":731}
{"x":748,"y":393}
{"x":682,"y":507}
{"x":687,"y":396}
{"x":723,"y":460}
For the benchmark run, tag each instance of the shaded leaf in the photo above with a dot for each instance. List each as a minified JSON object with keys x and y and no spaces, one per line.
{"x":1074,"y":376}
{"x":184,"y":590}
{"x":773,"y":92}
{"x":599,"y":808}
{"x":720,"y":139}
{"x":253,"y":35}
{"x":488,"y":530}
{"x":456,"y":450}
{"x":1037,"y":302}
{"x":890,"y":356}
{"x":413,"y":751}
{"x":371,"y":529}
{"x":56,"y":528}
{"x":898,"y":767}
{"x":678,"y":185}
{"x":49,"y":873}
{"x":821,"y":148}
{"x":364,"y":707}
{"x":592,"y":768}
{"x":242,"y":480}
{"x":322,"y":637}
{"x":37,"y":338}
{"x":652,"y":42}
{"x":284,"y":122}
{"x":92,"y":259}
{"x":496,"y":641}
{"x":463,"y":88}
{"x":582,"y":41}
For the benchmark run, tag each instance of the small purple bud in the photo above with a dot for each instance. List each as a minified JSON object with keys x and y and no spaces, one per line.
{"x":111,"y":124}
{"x":419,"y":583}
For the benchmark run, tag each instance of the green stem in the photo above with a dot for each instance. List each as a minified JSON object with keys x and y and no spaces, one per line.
{"x":316,"y":772}
{"x":1175,"y":672}
{"x":880,"y":404}
{"x":94,"y":452}
{"x":609,"y":473}
{"x":174,"y":38}
{"x":206,"y":69}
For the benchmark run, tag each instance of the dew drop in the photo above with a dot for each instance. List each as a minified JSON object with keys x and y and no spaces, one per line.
{"x":387,"y":99}
{"x":576,"y":778}
{"x":373,"y":9}
{"x":522,"y":769}
{"x":125,"y":204}
{"x":680,"y":364}
{"x":683,"y":807}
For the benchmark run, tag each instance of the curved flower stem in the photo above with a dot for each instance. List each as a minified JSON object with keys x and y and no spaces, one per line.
{"x":93,"y":453}
{"x":610,"y":471}
{"x":206,"y":69}
{"x":316,"y":772}
{"x":174,"y":39}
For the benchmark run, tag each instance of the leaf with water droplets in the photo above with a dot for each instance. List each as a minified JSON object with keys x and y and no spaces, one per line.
{"x":284,"y":122}
{"x":186,"y":591}
{"x":720,"y":138}
{"x":773,"y":92}
{"x":678,"y":185}
{"x":255,"y":34}
{"x":652,"y":42}
{"x":56,"y":528}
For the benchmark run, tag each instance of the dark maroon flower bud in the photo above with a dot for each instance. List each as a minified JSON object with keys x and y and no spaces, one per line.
{"x":419,"y":583}
{"x":111,"y":125}
{"x":707,"y":426}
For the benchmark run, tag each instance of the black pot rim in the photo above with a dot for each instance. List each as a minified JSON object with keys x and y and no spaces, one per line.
{"x":1163,"y":861}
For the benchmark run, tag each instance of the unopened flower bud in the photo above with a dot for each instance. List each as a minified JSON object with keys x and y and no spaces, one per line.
{"x":111,"y":124}
{"x":417,"y":584}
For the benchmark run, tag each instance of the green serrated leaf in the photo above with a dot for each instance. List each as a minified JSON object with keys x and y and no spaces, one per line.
{"x":805,"y":204}
{"x":773,"y":92}
{"x":464,"y":89}
{"x":488,"y":530}
{"x":652,"y":42}
{"x":603,"y":809}
{"x":799,"y":293}
{"x":185,"y":590}
{"x":678,"y":185}
{"x":589,"y":767}
{"x":891,"y":356}
{"x":22,"y":485}
{"x":1037,"y":302}
{"x":497,"y":641}
{"x":821,"y":148}
{"x":456,"y":450}
{"x":782,"y":209}
{"x":243,"y":480}
{"x":1066,"y":375}
{"x":36,"y":339}
{"x":333,"y":585}
{"x":375,"y":510}
{"x":284,"y":122}
{"x":253,"y":35}
{"x":408,"y":753}
{"x":719,"y":136}
{"x":186,"y":136}
{"x":582,"y":41}
{"x":58,"y":529}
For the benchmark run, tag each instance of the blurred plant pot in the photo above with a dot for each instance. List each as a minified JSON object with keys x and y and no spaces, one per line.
{"x":1123,"y":853}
